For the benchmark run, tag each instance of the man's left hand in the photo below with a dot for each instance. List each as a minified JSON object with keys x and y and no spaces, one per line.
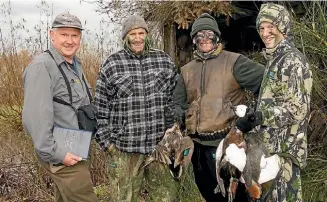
{"x":249,"y":121}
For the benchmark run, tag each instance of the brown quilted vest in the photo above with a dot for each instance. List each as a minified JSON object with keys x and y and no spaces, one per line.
{"x":211,"y":91}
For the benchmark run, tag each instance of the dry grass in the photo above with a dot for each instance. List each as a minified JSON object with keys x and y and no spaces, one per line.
{"x":21,"y":177}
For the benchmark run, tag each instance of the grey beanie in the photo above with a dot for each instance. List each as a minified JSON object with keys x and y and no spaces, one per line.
{"x":133,"y":22}
{"x":205,"y":22}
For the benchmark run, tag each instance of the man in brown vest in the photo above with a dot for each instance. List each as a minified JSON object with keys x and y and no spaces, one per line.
{"x":207,"y":88}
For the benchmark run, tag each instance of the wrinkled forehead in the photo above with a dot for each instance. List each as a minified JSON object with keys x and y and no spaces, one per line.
{"x":137,"y":30}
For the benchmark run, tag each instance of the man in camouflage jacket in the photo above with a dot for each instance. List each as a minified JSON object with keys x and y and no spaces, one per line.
{"x":284,"y":102}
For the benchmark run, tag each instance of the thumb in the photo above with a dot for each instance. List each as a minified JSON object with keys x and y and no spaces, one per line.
{"x":76,"y":158}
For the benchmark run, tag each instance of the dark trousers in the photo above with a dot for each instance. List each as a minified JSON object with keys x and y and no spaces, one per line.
{"x":204,"y":167}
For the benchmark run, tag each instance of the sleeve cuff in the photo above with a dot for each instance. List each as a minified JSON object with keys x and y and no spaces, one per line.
{"x":265,"y":114}
{"x":58,"y":155}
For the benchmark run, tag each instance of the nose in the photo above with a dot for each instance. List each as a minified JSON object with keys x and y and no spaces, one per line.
{"x":137,"y":37}
{"x":206,"y":40}
{"x":69,"y":40}
{"x":265,"y":32}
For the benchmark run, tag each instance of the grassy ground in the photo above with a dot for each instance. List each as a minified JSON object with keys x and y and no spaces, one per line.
{"x":22,"y":179}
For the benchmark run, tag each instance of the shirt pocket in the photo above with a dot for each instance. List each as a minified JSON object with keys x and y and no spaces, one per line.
{"x":78,"y":90}
{"x":124,"y":86}
{"x":61,"y":90}
{"x":162,"y":80}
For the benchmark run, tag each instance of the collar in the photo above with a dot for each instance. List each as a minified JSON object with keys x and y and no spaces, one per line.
{"x":283,"y":46}
{"x":58,"y":57}
{"x":144,"y":53}
{"x":204,"y":56}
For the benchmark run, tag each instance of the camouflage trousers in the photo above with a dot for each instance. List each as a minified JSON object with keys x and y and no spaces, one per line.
{"x":128,"y":178}
{"x":288,"y":187}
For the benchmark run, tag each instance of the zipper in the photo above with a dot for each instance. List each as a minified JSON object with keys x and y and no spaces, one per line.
{"x":144,"y":100}
{"x":202,"y":84}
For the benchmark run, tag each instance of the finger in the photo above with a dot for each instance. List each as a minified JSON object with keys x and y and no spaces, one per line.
{"x":73,"y":162}
{"x":111,"y":147}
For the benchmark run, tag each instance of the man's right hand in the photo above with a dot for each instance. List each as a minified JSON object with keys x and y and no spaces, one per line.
{"x":70,"y":159}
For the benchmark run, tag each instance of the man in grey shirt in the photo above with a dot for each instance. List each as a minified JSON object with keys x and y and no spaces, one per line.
{"x":43,"y":81}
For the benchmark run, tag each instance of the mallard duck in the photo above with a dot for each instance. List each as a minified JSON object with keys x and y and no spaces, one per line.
{"x":174,"y":150}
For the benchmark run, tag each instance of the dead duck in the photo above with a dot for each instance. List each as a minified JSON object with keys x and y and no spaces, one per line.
{"x":249,"y":157}
{"x":174,"y":150}
{"x":260,"y":170}
{"x":230,"y":155}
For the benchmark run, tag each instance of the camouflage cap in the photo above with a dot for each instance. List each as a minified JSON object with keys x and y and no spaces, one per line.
{"x":67,"y":20}
{"x":275,"y":14}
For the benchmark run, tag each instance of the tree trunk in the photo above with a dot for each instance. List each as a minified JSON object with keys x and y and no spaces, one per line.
{"x":170,"y":41}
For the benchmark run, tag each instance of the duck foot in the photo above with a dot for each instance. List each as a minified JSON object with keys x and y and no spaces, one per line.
{"x":233,"y":183}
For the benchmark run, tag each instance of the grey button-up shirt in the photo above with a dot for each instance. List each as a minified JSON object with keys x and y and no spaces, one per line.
{"x":43,"y":81}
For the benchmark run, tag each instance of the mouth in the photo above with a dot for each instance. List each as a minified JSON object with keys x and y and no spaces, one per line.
{"x":205,"y":44}
{"x":138,"y":43}
{"x":69,"y":48}
{"x":269,"y":40}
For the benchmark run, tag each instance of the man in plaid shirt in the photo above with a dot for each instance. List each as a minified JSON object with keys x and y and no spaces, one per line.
{"x":133,"y":92}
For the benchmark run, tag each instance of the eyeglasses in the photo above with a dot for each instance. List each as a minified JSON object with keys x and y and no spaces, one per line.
{"x":209,"y":34}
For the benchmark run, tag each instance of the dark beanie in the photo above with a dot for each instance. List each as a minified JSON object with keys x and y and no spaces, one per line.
{"x":205,"y":22}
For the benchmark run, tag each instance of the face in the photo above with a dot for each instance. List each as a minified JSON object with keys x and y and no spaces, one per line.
{"x":270,"y":34}
{"x":204,"y":39}
{"x":136,"y":39}
{"x":66,"y":41}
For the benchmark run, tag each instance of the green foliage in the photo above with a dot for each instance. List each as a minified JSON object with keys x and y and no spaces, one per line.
{"x":310,"y":33}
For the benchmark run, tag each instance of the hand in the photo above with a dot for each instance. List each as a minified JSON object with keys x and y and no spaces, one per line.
{"x":249,"y":121}
{"x":171,"y":117}
{"x":70,"y":159}
{"x":111,"y":149}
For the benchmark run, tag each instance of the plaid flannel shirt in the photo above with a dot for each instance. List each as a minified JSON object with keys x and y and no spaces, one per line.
{"x":131,"y":96}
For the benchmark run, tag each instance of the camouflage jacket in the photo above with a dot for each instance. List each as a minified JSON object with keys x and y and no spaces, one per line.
{"x":284,"y":100}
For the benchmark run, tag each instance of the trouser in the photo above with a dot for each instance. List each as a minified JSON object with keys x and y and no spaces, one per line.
{"x":73,"y":183}
{"x":288,"y":186}
{"x":204,"y":167}
{"x":127,"y":178}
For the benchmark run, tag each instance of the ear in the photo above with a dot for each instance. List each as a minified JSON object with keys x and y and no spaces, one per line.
{"x":51,"y":33}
